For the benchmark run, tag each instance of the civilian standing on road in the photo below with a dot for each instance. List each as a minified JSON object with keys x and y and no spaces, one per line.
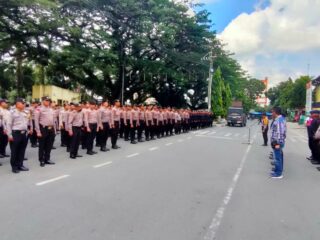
{"x":278,"y":137}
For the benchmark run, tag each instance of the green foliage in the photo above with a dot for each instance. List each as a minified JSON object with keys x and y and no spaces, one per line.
{"x":154,"y":46}
{"x":289,"y":94}
{"x":217,"y":94}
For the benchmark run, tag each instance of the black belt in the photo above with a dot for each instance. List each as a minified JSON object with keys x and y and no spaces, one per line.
{"x":19,"y":131}
{"x":47,"y":127}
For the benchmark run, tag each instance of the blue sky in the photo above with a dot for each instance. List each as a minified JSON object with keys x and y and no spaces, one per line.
{"x":277,"y":39}
{"x":224,"y":11}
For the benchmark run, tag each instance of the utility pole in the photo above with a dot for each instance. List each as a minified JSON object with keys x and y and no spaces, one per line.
{"x":210,"y":80}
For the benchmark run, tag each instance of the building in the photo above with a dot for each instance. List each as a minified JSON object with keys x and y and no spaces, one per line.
{"x":262,"y":100}
{"x":316,"y":102}
{"x":57,"y":94}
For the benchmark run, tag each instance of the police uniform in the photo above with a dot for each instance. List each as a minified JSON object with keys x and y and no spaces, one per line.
{"x":18,"y":124}
{"x":142,"y":124}
{"x":4,"y":115}
{"x":75,"y":123}
{"x":45,"y":126}
{"x":104,"y":119}
{"x":33,"y":136}
{"x":115,"y":126}
{"x":149,"y":125}
{"x":63,"y":124}
{"x":134,"y":124}
{"x":91,"y":124}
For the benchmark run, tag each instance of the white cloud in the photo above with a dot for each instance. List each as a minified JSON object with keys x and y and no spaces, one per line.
{"x":287,"y":27}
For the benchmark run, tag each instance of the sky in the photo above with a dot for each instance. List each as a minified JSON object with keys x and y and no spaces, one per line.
{"x":277,"y":39}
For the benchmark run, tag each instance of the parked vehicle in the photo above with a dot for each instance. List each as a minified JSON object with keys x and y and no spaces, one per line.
{"x":236,"y":115}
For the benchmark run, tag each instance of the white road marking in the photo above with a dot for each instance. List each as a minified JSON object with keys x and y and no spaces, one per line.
{"x":168,"y":144}
{"x":245,"y":135}
{"x":216,"y":221}
{"x":102,"y":165}
{"x":52,"y":180}
{"x":212,"y":133}
{"x":133,"y":155}
{"x":205,"y":132}
{"x":189,"y":138}
{"x":180,"y":140}
{"x":153,"y":148}
{"x":227,"y":138}
{"x":303,"y":140}
{"x":228,"y":135}
{"x":237,"y":135}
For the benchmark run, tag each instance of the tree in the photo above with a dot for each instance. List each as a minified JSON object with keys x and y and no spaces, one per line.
{"x":217,"y":94}
{"x":227,"y":98}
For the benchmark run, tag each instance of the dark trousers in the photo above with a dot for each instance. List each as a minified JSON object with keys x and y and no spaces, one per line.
{"x":33,"y":136}
{"x":91,"y":136}
{"x":265,"y":136}
{"x":172,"y":124}
{"x":3,"y":142}
{"x":18,"y":147}
{"x":148,"y":130}
{"x":105,"y":134}
{"x":160,"y":129}
{"x":178,"y":127}
{"x":133,"y":131}
{"x":99,"y":138}
{"x":155,"y":128}
{"x":45,"y":143}
{"x":65,"y":138}
{"x":84,"y":137}
{"x":127,"y":130}
{"x":114,"y":133}
{"x":315,"y":149}
{"x":75,"y":141}
{"x":121,"y":128}
{"x":141,"y":128}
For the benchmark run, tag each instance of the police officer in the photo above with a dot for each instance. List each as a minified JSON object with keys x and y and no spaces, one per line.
{"x":115,"y":124}
{"x":17,"y":128}
{"x":45,"y":126}
{"x":91,"y":124}
{"x":149,"y":124}
{"x":75,"y":123}
{"x":134,"y":123}
{"x":33,"y":137}
{"x":104,"y":123}
{"x":142,"y":123}
{"x":63,"y":125}
{"x":4,"y":115}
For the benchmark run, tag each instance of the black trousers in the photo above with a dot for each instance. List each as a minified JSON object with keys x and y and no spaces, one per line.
{"x":3,"y":142}
{"x":127,"y":130}
{"x":84,"y":137}
{"x":160,"y":129}
{"x":46,"y":143}
{"x":114,"y":133}
{"x":141,"y":128}
{"x":104,"y":134}
{"x":265,"y":136}
{"x":91,"y":136}
{"x":33,"y":136}
{"x":65,"y":138}
{"x":121,"y":127}
{"x":75,"y":141}
{"x":18,"y":148}
{"x":133,"y":131}
{"x":148,"y":130}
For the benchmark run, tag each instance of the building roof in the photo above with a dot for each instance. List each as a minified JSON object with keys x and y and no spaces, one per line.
{"x":316,"y":81}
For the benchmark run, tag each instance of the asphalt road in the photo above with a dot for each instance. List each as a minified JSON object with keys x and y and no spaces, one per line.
{"x":209,"y":184}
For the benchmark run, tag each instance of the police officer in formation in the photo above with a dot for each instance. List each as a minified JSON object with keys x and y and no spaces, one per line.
{"x":79,"y":124}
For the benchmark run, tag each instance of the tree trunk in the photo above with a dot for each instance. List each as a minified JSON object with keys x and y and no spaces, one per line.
{"x":19,"y":75}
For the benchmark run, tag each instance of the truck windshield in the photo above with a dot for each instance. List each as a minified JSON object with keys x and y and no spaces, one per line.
{"x":235,"y":111}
